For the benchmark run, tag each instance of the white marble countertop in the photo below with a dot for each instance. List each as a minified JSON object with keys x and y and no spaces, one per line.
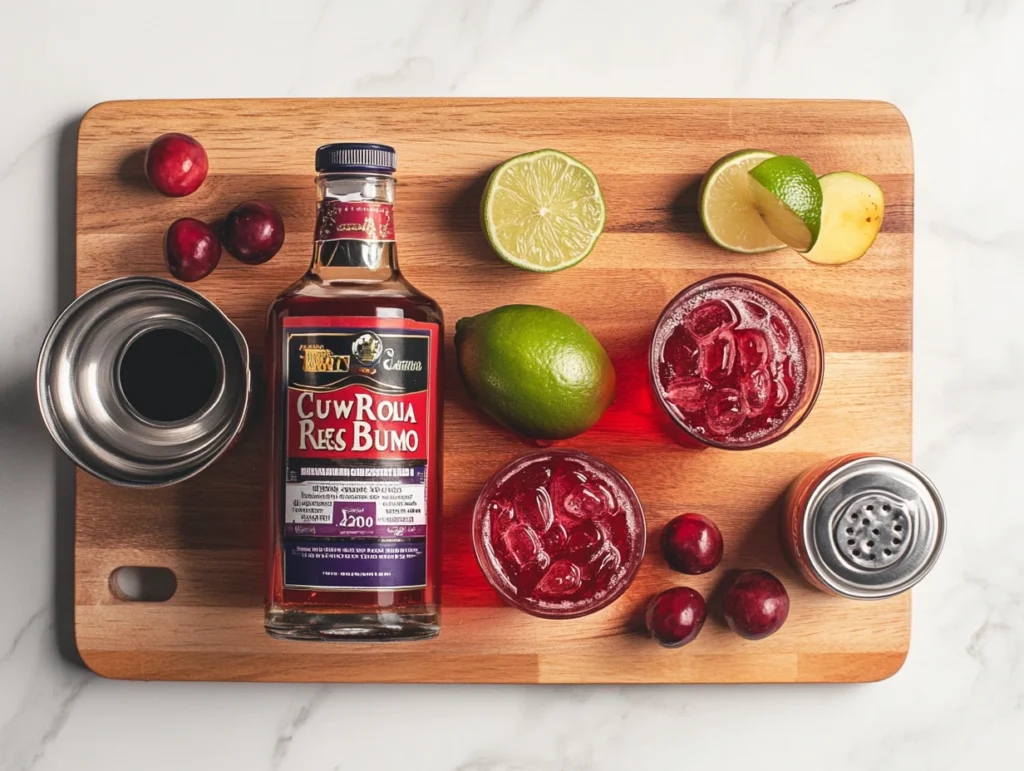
{"x":953,"y":66}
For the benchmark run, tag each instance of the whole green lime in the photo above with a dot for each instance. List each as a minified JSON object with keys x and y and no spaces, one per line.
{"x":535,"y":370}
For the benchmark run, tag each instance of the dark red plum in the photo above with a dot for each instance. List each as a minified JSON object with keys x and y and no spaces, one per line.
{"x":253,"y":232}
{"x":676,"y":616}
{"x":692,"y":544}
{"x":756,"y":604}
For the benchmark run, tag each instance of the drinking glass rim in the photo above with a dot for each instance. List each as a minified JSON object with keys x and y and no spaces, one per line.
{"x":652,"y":365}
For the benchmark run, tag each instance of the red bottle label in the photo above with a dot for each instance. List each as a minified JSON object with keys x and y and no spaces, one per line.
{"x":354,"y":221}
{"x":360,"y":403}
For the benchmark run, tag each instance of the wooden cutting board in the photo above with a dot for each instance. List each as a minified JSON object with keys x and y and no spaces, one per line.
{"x":649,"y":155}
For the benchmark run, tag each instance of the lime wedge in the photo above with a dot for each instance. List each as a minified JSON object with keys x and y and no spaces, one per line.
{"x":726,"y":205}
{"x":542,"y":211}
{"x":788,"y":196}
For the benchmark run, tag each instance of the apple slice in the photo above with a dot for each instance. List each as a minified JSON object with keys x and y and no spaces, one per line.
{"x":851,"y":216}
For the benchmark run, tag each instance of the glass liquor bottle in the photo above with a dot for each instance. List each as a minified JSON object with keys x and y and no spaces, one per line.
{"x":353,"y":360}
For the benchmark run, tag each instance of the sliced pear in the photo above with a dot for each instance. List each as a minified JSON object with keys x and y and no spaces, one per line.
{"x":851,"y":216}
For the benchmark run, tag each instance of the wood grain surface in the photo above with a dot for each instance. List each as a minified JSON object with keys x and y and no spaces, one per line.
{"x":649,"y":156}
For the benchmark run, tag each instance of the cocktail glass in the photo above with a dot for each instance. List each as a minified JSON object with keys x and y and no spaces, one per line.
{"x":559,"y":534}
{"x":736,"y":362}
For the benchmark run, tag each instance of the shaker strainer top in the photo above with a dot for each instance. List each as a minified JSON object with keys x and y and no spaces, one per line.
{"x":873,"y":528}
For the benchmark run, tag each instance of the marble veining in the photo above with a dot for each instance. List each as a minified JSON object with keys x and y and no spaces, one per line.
{"x":952,"y":66}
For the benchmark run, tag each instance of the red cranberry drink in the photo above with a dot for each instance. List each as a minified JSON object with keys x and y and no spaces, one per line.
{"x":736,"y":362}
{"x":559,"y":534}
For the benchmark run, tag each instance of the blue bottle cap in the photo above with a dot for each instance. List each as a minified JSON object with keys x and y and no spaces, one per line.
{"x":357,"y":157}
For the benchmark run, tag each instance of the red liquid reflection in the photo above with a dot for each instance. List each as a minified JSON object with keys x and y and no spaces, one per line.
{"x":635,"y":415}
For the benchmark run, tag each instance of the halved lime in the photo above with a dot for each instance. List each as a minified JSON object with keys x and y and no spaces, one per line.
{"x":726,"y":205}
{"x":542,"y":211}
{"x":788,"y":195}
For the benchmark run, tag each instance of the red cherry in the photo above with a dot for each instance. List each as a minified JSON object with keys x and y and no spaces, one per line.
{"x":191,"y":249}
{"x":756,"y":604}
{"x":676,"y":616}
{"x":692,"y":544}
{"x":176,"y":164}
{"x":253,"y":232}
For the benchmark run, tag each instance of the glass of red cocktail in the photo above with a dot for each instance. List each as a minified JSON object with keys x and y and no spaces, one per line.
{"x":559,"y":534}
{"x":736,"y":362}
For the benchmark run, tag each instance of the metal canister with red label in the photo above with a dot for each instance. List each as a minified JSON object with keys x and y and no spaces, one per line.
{"x":863,"y":526}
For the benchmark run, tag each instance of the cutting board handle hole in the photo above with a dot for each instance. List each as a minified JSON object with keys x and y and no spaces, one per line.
{"x":143,"y":584}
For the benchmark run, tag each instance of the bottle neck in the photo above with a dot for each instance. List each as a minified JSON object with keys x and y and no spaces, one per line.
{"x":354,"y":239}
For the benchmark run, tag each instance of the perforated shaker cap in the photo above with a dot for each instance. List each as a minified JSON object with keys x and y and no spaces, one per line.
{"x":873,"y":528}
{"x":357,"y":157}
